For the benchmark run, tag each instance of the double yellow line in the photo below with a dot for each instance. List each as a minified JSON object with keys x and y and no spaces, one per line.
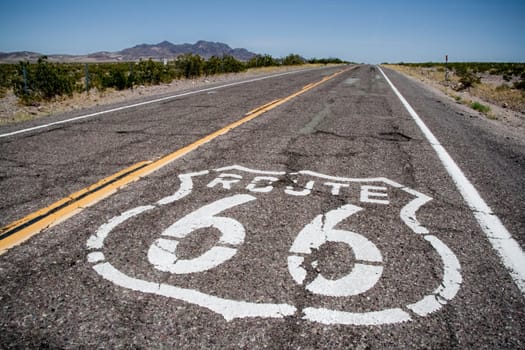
{"x":21,"y":230}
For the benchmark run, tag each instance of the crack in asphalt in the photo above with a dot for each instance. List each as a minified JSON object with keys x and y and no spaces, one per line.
{"x":394,"y":136}
{"x":335,"y":134}
{"x":409,"y":172}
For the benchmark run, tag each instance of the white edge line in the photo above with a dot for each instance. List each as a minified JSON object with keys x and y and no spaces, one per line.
{"x":149,"y":102}
{"x":510,"y":252}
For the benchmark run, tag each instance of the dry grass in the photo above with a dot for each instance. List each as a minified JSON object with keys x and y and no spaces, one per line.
{"x":487,"y":91}
{"x":502,"y":95}
{"x":420,"y":72}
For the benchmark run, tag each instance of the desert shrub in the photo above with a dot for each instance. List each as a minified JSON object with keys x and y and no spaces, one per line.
{"x":293,"y":60}
{"x":262,"y":61}
{"x":43,"y":81}
{"x":520,"y":85}
{"x":148,"y":72}
{"x":232,"y":65}
{"x":8,"y":73}
{"x":467,"y":78}
{"x":480,"y":107}
{"x":326,"y":60}
{"x":493,"y":68}
{"x":213,"y":66}
{"x":118,"y":77}
{"x":224,"y":64}
{"x":190,"y":65}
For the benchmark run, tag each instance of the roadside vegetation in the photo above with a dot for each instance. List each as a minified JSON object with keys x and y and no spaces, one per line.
{"x":33,"y":83}
{"x":501,"y":84}
{"x":480,"y":107}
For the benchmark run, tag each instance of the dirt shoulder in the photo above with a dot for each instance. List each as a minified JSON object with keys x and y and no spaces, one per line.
{"x":12,"y":111}
{"x":506,"y":106}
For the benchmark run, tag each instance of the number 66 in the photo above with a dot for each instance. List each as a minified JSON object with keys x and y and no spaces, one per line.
{"x":162,"y":253}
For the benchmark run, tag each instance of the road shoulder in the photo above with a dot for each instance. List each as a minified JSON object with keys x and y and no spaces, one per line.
{"x":509,"y":121}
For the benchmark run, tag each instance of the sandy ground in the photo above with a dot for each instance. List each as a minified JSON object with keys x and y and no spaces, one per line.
{"x":11,"y":111}
{"x":508,"y":111}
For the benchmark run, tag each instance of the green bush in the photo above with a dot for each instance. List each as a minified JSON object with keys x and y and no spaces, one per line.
{"x":43,"y":81}
{"x":232,"y":65}
{"x":225,"y":64}
{"x":191,"y":66}
{"x":8,"y":73}
{"x":149,"y":72}
{"x":480,"y":107}
{"x":262,"y":61}
{"x":326,"y":60}
{"x":119,"y":77}
{"x":293,"y":60}
{"x":214,"y":65}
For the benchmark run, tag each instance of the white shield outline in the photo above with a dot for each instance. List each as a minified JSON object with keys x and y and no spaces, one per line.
{"x":231,"y":309}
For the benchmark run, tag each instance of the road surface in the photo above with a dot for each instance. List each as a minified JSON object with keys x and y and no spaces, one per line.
{"x":309,"y":210}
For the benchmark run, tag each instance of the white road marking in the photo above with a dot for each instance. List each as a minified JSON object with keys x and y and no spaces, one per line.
{"x":250,"y":171}
{"x":96,"y":241}
{"x":139,"y":104}
{"x":252,"y":186}
{"x":361,"y":278}
{"x":508,"y":249}
{"x":305,"y":191}
{"x":186,"y":184}
{"x":372,"y":318}
{"x":162,"y":253}
{"x":364,"y":275}
{"x":367,"y":194}
{"x":229,"y":309}
{"x":450,"y":285}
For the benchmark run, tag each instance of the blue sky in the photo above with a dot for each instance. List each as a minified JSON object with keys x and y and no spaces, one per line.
{"x":363,"y":31}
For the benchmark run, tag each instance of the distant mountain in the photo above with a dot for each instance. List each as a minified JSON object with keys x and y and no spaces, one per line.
{"x":168,"y":50}
{"x":162,"y":50}
{"x":8,"y":57}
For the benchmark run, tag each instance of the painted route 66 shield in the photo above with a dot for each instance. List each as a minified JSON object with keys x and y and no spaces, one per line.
{"x":251,"y":243}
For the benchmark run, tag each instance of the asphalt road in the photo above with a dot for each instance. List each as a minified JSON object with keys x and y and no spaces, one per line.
{"x":328,"y":221}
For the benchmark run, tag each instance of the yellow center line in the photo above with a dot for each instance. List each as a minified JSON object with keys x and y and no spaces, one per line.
{"x":21,"y":230}
{"x":71,"y":197}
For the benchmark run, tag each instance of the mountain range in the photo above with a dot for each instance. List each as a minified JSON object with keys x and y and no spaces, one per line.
{"x":160,"y":51}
